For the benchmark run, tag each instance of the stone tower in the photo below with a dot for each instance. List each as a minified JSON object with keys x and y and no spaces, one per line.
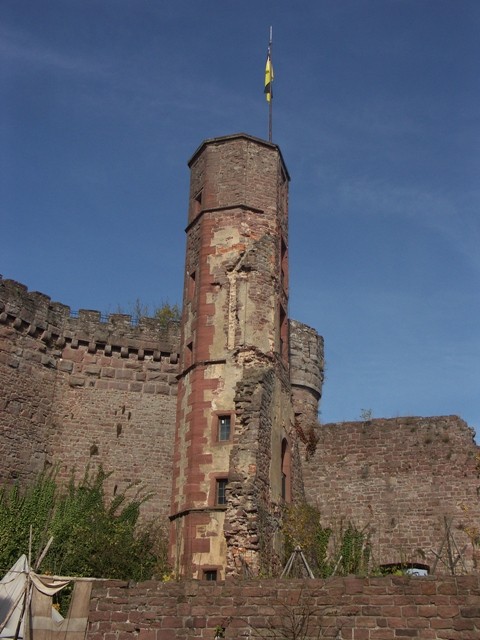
{"x":235,"y":455}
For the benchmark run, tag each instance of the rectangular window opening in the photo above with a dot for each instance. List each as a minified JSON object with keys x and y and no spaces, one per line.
{"x":224,"y":428}
{"x":210,"y":575}
{"x":221,"y":491}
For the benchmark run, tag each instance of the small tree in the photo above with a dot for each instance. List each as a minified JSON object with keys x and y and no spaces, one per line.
{"x":342,"y":549}
{"x":165,"y":312}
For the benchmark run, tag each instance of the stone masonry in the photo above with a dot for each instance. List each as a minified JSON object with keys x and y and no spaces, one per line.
{"x":78,"y":392}
{"x":234,"y":363}
{"x":388,"y":608}
{"x":146,"y":402}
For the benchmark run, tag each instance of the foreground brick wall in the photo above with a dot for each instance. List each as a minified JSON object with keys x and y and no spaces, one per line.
{"x":401,"y":478}
{"x":342,"y":608}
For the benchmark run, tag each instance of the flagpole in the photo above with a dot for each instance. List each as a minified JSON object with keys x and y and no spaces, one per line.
{"x":270,"y":104}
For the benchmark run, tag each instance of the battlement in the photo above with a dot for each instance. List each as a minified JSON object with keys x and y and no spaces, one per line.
{"x":54,"y":323}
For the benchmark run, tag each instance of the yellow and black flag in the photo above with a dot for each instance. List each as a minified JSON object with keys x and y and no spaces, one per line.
{"x":268,"y":77}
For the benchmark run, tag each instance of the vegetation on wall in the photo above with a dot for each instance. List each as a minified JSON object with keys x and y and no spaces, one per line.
{"x":342,"y":549}
{"x":92,"y":535}
{"x":165,"y":312}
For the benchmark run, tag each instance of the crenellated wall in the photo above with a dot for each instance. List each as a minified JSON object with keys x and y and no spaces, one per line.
{"x":80,"y":391}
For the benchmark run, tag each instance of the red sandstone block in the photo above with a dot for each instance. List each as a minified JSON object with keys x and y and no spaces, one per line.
{"x":418,"y":623}
{"x":123,"y":635}
{"x":447,"y":588}
{"x":146,"y":634}
{"x":199,"y":623}
{"x":410,"y":611}
{"x":171,"y":622}
{"x":447,"y":611}
{"x":364,"y":621}
{"x":97,"y":616}
{"x":361,"y":634}
{"x":439,"y":623}
{"x":461,"y":625}
{"x":258,"y":622}
{"x":427,"y":586}
{"x":396,"y":622}
{"x":470,"y":612}
{"x":382,"y":634}
{"x":123,"y":627}
{"x":449,"y":634}
{"x":427,"y":610}
{"x":437,"y":600}
{"x":406,"y":633}
{"x":118,"y":616}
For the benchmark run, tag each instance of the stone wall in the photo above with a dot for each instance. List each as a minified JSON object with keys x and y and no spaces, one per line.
{"x":307,"y":366}
{"x":406,"y":480}
{"x":80,"y":391}
{"x":342,"y":608}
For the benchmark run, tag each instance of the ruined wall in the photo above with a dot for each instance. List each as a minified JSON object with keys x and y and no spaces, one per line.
{"x":400,"y":477}
{"x":343,"y":608}
{"x":78,"y":391}
{"x":254,"y":513}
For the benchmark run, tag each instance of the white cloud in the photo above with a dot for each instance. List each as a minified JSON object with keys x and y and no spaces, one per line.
{"x":18,"y":46}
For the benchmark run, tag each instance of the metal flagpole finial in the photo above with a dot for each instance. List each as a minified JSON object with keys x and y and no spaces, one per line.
{"x":268,"y":84}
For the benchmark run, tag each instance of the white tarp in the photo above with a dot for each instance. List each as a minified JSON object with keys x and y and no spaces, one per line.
{"x":12,"y":592}
{"x":13,"y":597}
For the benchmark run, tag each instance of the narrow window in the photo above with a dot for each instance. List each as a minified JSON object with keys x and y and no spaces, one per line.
{"x":198,"y":202}
{"x":210,"y":575}
{"x":285,"y":472}
{"x":224,"y":428}
{"x":284,"y":485}
{"x":221,"y":491}
{"x":191,"y":285}
{"x":188,"y":355}
{"x":284,"y":264}
{"x":283,"y":329}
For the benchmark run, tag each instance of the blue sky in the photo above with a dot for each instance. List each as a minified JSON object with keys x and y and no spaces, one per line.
{"x":102,"y":102}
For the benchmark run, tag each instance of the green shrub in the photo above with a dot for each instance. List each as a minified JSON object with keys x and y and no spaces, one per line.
{"x":92,"y":535}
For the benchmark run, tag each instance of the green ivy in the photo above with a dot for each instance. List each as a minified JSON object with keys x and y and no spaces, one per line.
{"x":92,"y":535}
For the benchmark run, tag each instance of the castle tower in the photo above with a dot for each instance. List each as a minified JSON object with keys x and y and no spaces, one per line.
{"x":235,"y":456}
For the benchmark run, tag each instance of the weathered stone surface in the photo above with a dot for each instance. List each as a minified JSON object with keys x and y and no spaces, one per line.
{"x":354,"y":609}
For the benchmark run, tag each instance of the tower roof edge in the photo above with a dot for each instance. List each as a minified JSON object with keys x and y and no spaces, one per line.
{"x":237,"y":136}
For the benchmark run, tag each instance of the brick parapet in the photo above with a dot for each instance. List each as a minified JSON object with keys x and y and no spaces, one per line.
{"x":348,"y":608}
